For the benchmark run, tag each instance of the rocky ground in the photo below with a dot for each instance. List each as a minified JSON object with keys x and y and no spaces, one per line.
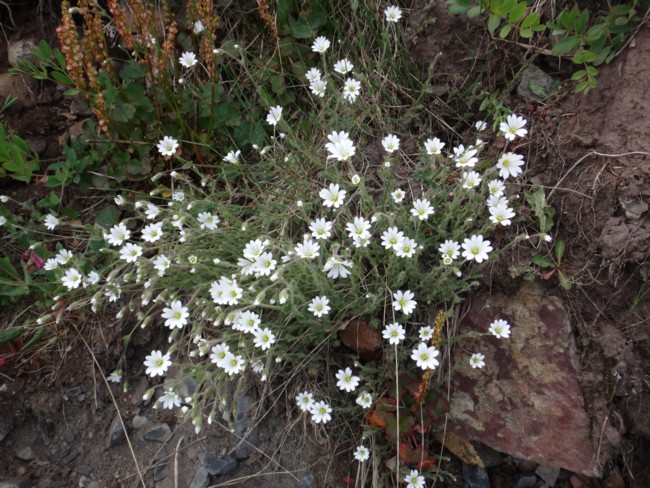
{"x":568,"y":406}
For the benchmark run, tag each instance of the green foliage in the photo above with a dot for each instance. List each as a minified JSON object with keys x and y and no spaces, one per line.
{"x":17,"y":160}
{"x":552,"y":262}
{"x":589,"y":40}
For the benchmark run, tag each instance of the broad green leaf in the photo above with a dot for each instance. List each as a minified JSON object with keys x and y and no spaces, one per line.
{"x":565,"y":45}
{"x":543,"y":261}
{"x":530,"y":20}
{"x":578,"y":74}
{"x":559,"y":249}
{"x":108,"y":216}
{"x":565,"y":281}
{"x":475,"y":11}
{"x":493,"y":23}
{"x":301,"y":29}
{"x":583,"y":56}
{"x":517,"y":12}
{"x":132,"y":71}
{"x":505,"y":30}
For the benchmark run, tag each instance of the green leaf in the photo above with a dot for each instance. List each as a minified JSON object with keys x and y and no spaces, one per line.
{"x":578,"y":74}
{"x":493,"y":23}
{"x":565,"y":45}
{"x":517,"y":12}
{"x":318,"y":15}
{"x":301,"y":29}
{"x":108,"y":216}
{"x":526,"y":33}
{"x":277,"y":83}
{"x":538,"y":90}
{"x":227,"y":114}
{"x":475,"y":11}
{"x":249,"y":133}
{"x":559,"y":250}
{"x":505,"y":30}
{"x":582,"y":87}
{"x":132,"y":71}
{"x":62,"y":78}
{"x":459,"y":6}
{"x":530,"y":20}
{"x":543,"y":261}
{"x":565,"y":281}
{"x":583,"y":56}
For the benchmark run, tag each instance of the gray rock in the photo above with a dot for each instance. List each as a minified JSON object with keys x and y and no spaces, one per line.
{"x":306,"y":482}
{"x":73,"y":392}
{"x":93,"y":484}
{"x":20,"y":482}
{"x":139,"y":391}
{"x":68,"y":436}
{"x":158,"y":433}
{"x":26,"y":454}
{"x":536,"y":85}
{"x":139,"y":421}
{"x":245,"y":448}
{"x":475,"y":477}
{"x":217,"y":466}
{"x":634,"y":207}
{"x":3,"y":434}
{"x":242,"y":408}
{"x":548,"y":473}
{"x":23,"y":88}
{"x":525,"y":481}
{"x":160,"y":472}
{"x":187,"y":388}
{"x":201,"y":478}
{"x":84,"y":470}
{"x":115,"y":433}
{"x":20,"y":50}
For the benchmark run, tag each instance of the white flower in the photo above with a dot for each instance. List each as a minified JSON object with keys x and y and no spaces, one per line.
{"x":406,"y":248}
{"x":465,"y":158}
{"x":264,"y":264}
{"x":449,"y":249}
{"x":496,"y":200}
{"x":480,"y":125}
{"x":51,"y":222}
{"x":476,"y":361}
{"x":198,"y":27}
{"x":207,"y":220}
{"x":247,"y":321}
{"x":313,"y":74}
{"x":359,"y":227}
{"x":332,"y":196}
{"x":176,"y":315}
{"x":188,"y":59}
{"x":351,"y":89}
{"x":51,"y":264}
{"x":404,"y":301}
{"x":178,"y":196}
{"x":422,"y":209}
{"x":390,"y":143}
{"x":364,"y":400}
{"x":510,"y":164}
{"x":340,"y":146}
{"x":320,"y":228}
{"x":232,"y":157}
{"x":170,"y":400}
{"x":393,"y":14}
{"x":93,"y":278}
{"x":118,"y":234}
{"x":318,"y":87}
{"x":355,"y":179}
{"x":425,"y":356}
{"x":425,"y":333}
{"x":320,"y":45}
{"x":476,"y":248}
{"x":501,"y":214}
{"x":219,"y":354}
{"x":152,"y":211}
{"x":546,"y":237}
{"x":346,"y":380}
{"x":394,"y":332}
{"x":391,"y":238}
{"x":433,"y":146}
{"x":513,"y":127}
{"x":115,"y":376}
{"x":305,"y":401}
{"x":308,"y":249}
{"x":71,"y":279}
{"x":3,"y":220}
{"x":157,"y":363}
{"x":161,"y":263}
{"x":398,"y":195}
{"x":470,"y":179}
{"x":225,"y":291}
{"x":336,"y":267}
{"x":167,"y":146}
{"x":414,"y":480}
{"x":496,"y":187}
{"x":152,"y":232}
{"x":254,"y":249}
{"x":130,"y":252}
{"x":263,"y":338}
{"x":319,"y":306}
{"x":500,"y":328}
{"x":320,"y":412}
{"x":233,"y":364}
{"x":343,"y":66}
{"x":361,"y":454}
{"x":274,"y":116}
{"x":4,"y":198}
{"x":63,"y":257}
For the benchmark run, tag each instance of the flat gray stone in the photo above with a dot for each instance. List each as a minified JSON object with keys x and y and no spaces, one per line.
{"x":19,"y":482}
{"x":306,"y":482}
{"x":158,"y":433}
{"x":139,"y":421}
{"x":201,"y":478}
{"x":548,"y":473}
{"x":525,"y":481}
{"x":475,"y":477}
{"x":26,"y":454}
{"x":115,"y":433}
{"x":536,"y":85}
{"x":217,"y":466}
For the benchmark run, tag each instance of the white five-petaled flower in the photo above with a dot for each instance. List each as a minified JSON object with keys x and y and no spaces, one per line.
{"x":152,"y":232}
{"x":364,"y":400}
{"x":346,"y":380}
{"x":64,"y":256}
{"x":233,"y":364}
{"x":470,"y":179}
{"x":3,"y":220}
{"x":393,"y":14}
{"x":425,"y":356}
{"x":188,"y":59}
{"x":115,"y":376}
{"x":404,"y":301}
{"x":176,"y":315}
{"x":319,"y":306}
{"x":117,"y":235}
{"x":318,"y":87}
{"x":476,"y":361}
{"x":232,"y":157}
{"x":501,"y":214}
{"x":320,"y":228}
{"x":394,"y":332}
{"x":167,"y":146}
{"x":307,"y":249}
{"x":422,"y":209}
{"x":157,"y":363}
{"x":263,"y":338}
{"x":170,"y":400}
{"x":496,"y":187}
{"x":305,"y":401}
{"x":449,"y":250}
{"x":398,"y":195}
{"x":332,"y":196}
{"x":161,"y":263}
{"x":500,"y":328}
{"x":343,"y":66}
{"x":513,"y":127}
{"x":390,"y":143}
{"x":406,"y":248}
{"x":71,"y":279}
{"x":130,"y":252}
{"x":274,"y":116}
{"x":425,"y":333}
{"x":361,"y":453}
{"x":391,"y":238}
{"x":320,"y":412}
{"x":414,"y":480}
{"x":198,"y":27}
{"x":509,"y":164}
{"x":433,"y":146}
{"x":359,"y":228}
{"x":320,"y":45}
{"x":207,"y":220}
{"x":340,"y":146}
{"x":335,"y":267}
{"x":51,"y":222}
{"x":313,"y":74}
{"x":465,"y":157}
{"x":351,"y":89}
{"x":219,"y":354}
{"x":476,"y":248}
{"x":480,"y":125}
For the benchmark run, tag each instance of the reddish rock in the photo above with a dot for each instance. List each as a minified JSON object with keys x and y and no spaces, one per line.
{"x":363,"y":339}
{"x":526,"y":401}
